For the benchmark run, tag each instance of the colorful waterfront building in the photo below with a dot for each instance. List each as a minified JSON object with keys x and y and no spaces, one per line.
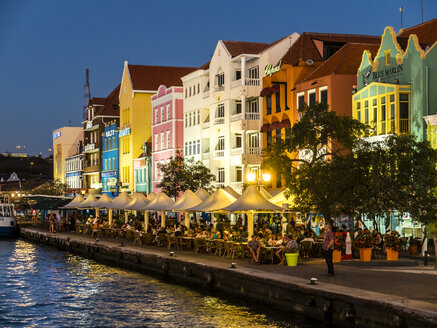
{"x":65,"y":144}
{"x":100,"y":112}
{"x":139,"y":83}
{"x":289,"y":83}
{"x":222,"y":105}
{"x":394,"y":87}
{"x":74,"y":172}
{"x":110,"y":158}
{"x":143,"y":170}
{"x":167,"y":128}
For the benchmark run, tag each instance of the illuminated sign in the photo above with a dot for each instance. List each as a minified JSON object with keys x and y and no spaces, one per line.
{"x":109,"y":133}
{"x":124,"y":132}
{"x":109,"y":174}
{"x":89,"y":124}
{"x":91,"y":146}
{"x":56,"y":134}
{"x":269,"y":69}
{"x":139,"y":163}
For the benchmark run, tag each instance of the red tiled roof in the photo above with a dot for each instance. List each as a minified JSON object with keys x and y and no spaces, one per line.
{"x":205,"y":66}
{"x":111,"y":105}
{"x":305,"y":48}
{"x":96,"y":101}
{"x":151,"y":77}
{"x":426,"y":32}
{"x":236,"y":48}
{"x":345,"y":61}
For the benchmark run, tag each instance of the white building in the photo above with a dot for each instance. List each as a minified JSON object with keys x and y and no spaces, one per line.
{"x":222,"y":109}
{"x":74,"y":173}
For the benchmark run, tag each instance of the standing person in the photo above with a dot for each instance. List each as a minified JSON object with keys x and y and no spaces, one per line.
{"x":328,"y":247}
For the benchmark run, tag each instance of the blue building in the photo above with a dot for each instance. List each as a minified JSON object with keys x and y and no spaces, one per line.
{"x":110,"y":159}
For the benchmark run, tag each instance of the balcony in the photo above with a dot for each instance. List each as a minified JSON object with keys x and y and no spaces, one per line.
{"x":404,"y":125}
{"x":254,"y":150}
{"x":236,"y":117}
{"x":252,"y":82}
{"x":205,"y":155}
{"x":253,"y":116}
{"x":219,"y":88}
{"x":219,"y":120}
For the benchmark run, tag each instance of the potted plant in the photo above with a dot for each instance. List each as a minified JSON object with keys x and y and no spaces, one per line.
{"x":339,"y":247}
{"x":393,"y":244}
{"x":413,"y":246}
{"x":364,"y":242}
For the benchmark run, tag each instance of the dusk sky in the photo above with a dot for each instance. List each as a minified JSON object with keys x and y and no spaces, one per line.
{"x":46,"y":46}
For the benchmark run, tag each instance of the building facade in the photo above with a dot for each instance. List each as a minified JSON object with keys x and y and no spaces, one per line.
{"x":222,"y":100}
{"x":139,"y":83}
{"x":143,"y":170}
{"x":110,"y":159}
{"x":394,"y":87}
{"x":167,"y":129}
{"x":65,"y":143}
{"x":74,"y":173}
{"x":100,"y":112}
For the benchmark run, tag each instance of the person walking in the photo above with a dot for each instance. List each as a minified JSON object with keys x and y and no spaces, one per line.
{"x":328,"y":248}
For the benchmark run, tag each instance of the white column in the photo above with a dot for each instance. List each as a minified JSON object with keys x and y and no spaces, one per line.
{"x":126,"y":216}
{"x":162,"y":218}
{"x":243,"y":70}
{"x":250,"y":224}
{"x":187,"y":219}
{"x":97,"y":213}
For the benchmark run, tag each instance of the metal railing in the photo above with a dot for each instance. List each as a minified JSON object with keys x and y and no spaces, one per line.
{"x":219,"y":120}
{"x":249,"y":81}
{"x":218,"y":88}
{"x":404,"y":125}
{"x":252,"y":116}
{"x":219,"y":153}
{"x":254,"y":150}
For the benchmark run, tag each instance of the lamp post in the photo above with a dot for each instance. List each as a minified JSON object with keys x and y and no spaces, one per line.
{"x":251,"y":177}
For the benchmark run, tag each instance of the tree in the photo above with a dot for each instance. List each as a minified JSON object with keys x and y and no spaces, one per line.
{"x":181,"y":174}
{"x":56,"y":188}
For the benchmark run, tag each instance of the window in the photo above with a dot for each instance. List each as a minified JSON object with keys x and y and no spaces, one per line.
{"x":237,"y":107}
{"x":186,"y":93}
{"x":113,"y":163}
{"x":221,"y":110}
{"x":387,"y":57}
{"x":278,"y":101}
{"x":269,"y":104}
{"x":382,"y":112}
{"x":311,"y":98}
{"x":109,"y":143}
{"x":198,"y":117}
{"x":238,"y":174}
{"x":156,"y":115}
{"x":220,"y":79}
{"x":189,"y":121}
{"x":190,"y":148}
{"x":168,"y":112}
{"x":359,"y":105}
{"x":254,"y":73}
{"x":324,"y":96}
{"x":156,"y":170}
{"x":300,"y":100}
{"x":198,"y":87}
{"x":392,"y":111}
{"x":237,"y":75}
{"x":253,"y":106}
{"x":106,"y":145}
{"x":189,"y":93}
{"x":162,"y":114}
{"x":278,"y":180}
{"x":238,"y":140}
{"x":168,"y":140}
{"x":359,"y":116}
{"x":220,"y":143}
{"x":162,"y":140}
{"x":287,"y":133}
{"x":186,"y":120}
{"x":366,"y":112}
{"x":269,"y":138}
{"x":221,"y":175}
{"x":186,"y":148}
{"x":278,"y":135}
{"x":375,"y":114}
{"x":156,"y":142}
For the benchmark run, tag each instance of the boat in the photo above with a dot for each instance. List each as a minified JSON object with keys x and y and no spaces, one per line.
{"x":7,"y":219}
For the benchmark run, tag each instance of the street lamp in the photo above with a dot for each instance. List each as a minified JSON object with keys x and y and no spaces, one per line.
{"x":251,"y":177}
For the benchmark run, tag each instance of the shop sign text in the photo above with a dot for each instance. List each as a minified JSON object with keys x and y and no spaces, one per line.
{"x":269,"y":69}
{"x":124,"y":132}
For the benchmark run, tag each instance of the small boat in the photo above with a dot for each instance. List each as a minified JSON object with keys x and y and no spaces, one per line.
{"x":7,"y":220}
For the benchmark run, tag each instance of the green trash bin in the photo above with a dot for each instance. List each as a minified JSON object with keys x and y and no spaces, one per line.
{"x":291,"y":258}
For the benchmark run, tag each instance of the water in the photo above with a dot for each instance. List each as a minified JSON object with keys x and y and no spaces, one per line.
{"x":44,"y":287}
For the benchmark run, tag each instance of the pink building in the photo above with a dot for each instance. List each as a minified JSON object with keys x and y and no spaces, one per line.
{"x":167,"y":128}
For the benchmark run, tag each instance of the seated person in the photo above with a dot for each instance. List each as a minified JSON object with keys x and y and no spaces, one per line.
{"x":272,"y":240}
{"x":290,"y":247}
{"x":254,"y":248}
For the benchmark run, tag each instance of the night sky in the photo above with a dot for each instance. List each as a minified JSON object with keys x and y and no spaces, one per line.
{"x":45,"y":46}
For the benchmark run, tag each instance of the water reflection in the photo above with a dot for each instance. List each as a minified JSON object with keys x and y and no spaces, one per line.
{"x":43,"y":287}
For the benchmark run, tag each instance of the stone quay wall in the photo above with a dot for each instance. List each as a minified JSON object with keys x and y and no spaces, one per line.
{"x":329,"y":303}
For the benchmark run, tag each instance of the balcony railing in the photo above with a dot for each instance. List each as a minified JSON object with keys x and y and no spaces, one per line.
{"x":252,"y":116}
{"x":236,"y":117}
{"x":219,"y":120}
{"x":89,"y":163}
{"x":218,"y":88}
{"x":206,"y":155}
{"x":219,"y":153}
{"x":254,"y":82}
{"x":404,"y":125}
{"x":254,"y":150}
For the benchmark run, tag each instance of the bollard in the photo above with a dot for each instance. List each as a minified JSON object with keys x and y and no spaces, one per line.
{"x":425,"y":259}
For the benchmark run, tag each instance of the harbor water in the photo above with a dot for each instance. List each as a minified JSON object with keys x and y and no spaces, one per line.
{"x":44,"y":287}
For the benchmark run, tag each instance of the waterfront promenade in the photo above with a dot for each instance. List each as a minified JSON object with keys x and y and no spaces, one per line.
{"x":405,"y":287}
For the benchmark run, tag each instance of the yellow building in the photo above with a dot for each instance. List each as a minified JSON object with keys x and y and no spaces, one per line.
{"x":138,"y":84}
{"x":65,"y":144}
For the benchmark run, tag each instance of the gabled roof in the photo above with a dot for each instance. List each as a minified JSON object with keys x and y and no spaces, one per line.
{"x":426,"y":32}
{"x":205,"y":66}
{"x":345,"y":61}
{"x":96,"y":101}
{"x":146,"y":77}
{"x":236,"y":48}
{"x":305,"y":46}
{"x":111,"y":104}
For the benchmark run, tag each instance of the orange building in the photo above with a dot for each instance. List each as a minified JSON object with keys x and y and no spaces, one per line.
{"x":291,"y":82}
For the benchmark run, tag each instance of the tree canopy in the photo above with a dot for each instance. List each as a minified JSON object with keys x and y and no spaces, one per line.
{"x":180,"y":174}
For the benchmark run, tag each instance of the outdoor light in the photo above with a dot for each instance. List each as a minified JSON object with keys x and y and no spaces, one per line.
{"x":266,"y":177}
{"x":251,"y":177}
{"x":313,"y":281}
{"x":12,"y":195}
{"x":233,"y":265}
{"x":171,"y":253}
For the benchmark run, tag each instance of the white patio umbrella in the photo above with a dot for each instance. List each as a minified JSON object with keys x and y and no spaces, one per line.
{"x":76,"y":201}
{"x":217,"y":201}
{"x":232,"y":192}
{"x":252,"y":201}
{"x":161,"y":203}
{"x":202,"y":194}
{"x":88,"y":202}
{"x":120,"y":202}
{"x":188,"y":199}
{"x":139,"y":203}
{"x":104,"y":202}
